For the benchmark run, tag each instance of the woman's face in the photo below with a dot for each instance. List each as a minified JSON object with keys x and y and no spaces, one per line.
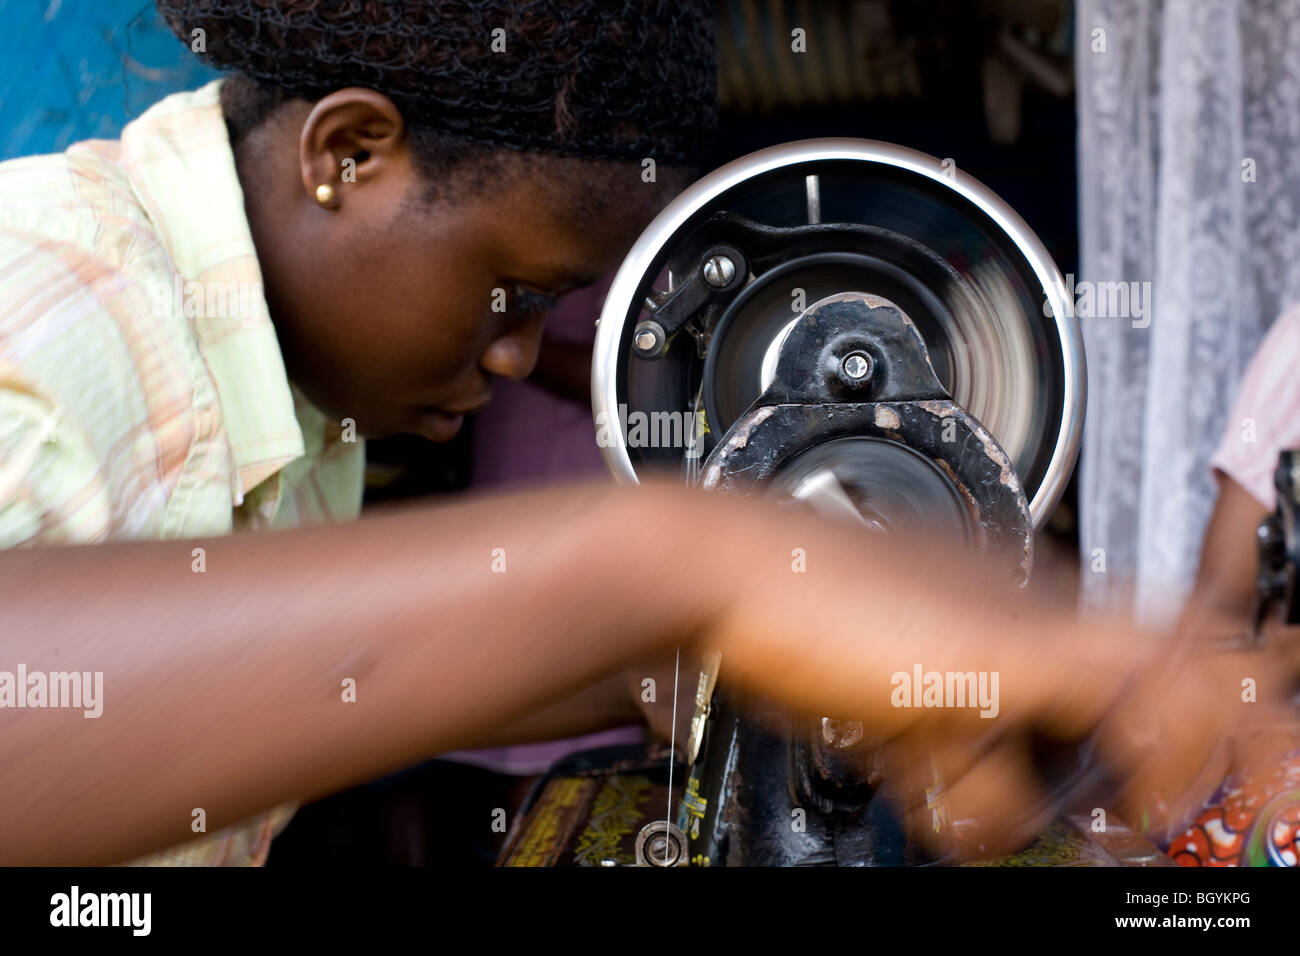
{"x":403,"y":327}
{"x":397,"y":312}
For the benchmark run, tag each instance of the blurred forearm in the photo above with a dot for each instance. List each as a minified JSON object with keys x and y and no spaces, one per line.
{"x":604,"y":705}
{"x":224,"y":689}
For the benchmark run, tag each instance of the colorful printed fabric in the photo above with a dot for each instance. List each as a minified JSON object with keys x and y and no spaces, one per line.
{"x":1253,"y":821}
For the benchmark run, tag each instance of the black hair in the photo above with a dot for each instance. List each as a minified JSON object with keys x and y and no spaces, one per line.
{"x":489,"y":89}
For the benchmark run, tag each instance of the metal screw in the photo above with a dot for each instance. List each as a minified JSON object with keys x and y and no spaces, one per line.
{"x":648,"y":337}
{"x":857,"y":365}
{"x":719,"y":271}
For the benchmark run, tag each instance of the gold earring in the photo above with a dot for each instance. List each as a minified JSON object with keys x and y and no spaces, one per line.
{"x":325,"y":194}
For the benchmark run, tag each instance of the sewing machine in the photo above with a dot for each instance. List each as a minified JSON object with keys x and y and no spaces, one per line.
{"x":868,"y":331}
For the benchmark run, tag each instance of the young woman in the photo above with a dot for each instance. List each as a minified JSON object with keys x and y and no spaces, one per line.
{"x":198,"y":320}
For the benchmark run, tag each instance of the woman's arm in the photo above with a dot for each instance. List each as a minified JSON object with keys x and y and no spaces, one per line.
{"x":1223,"y":597}
{"x":224,"y":689}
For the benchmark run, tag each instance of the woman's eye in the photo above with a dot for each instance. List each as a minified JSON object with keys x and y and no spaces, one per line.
{"x":530,"y":302}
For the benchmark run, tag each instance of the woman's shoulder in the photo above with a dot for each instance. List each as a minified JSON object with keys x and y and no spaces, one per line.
{"x":1285,"y":328}
{"x":1265,"y":415}
{"x":1273,"y":369}
{"x":80,"y":199}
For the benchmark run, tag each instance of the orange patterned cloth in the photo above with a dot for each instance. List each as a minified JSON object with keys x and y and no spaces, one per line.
{"x":1252,"y":821}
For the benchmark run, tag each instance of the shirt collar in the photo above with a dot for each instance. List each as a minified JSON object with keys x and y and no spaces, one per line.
{"x":181,"y":166}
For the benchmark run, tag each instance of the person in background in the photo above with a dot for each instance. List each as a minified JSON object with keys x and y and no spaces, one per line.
{"x":1264,"y":421}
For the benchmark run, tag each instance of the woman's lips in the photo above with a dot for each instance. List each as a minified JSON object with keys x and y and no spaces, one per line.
{"x":440,"y":423}
{"x":437,"y":425}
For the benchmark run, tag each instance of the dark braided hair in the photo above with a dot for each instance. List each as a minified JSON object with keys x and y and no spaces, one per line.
{"x":612,"y":80}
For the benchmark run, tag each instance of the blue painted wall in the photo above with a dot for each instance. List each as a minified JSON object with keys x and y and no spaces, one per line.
{"x":80,"y":69}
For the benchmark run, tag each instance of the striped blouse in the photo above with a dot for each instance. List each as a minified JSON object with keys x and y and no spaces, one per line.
{"x":142,"y":390}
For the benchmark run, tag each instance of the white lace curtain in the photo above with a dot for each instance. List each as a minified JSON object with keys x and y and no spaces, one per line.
{"x":1189,"y":176}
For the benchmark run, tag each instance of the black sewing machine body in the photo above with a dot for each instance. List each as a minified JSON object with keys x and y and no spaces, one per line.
{"x":858,"y":329}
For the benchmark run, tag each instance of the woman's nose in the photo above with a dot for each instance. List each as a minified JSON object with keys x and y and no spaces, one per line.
{"x":514,"y":354}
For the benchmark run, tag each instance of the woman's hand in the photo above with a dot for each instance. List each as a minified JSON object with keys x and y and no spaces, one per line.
{"x":839,"y":623}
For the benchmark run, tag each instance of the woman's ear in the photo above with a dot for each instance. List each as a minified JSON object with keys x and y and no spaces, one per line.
{"x":351,"y":137}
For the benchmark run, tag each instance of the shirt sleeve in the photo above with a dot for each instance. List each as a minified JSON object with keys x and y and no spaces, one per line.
{"x":52,"y":486}
{"x":1265,"y":419}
